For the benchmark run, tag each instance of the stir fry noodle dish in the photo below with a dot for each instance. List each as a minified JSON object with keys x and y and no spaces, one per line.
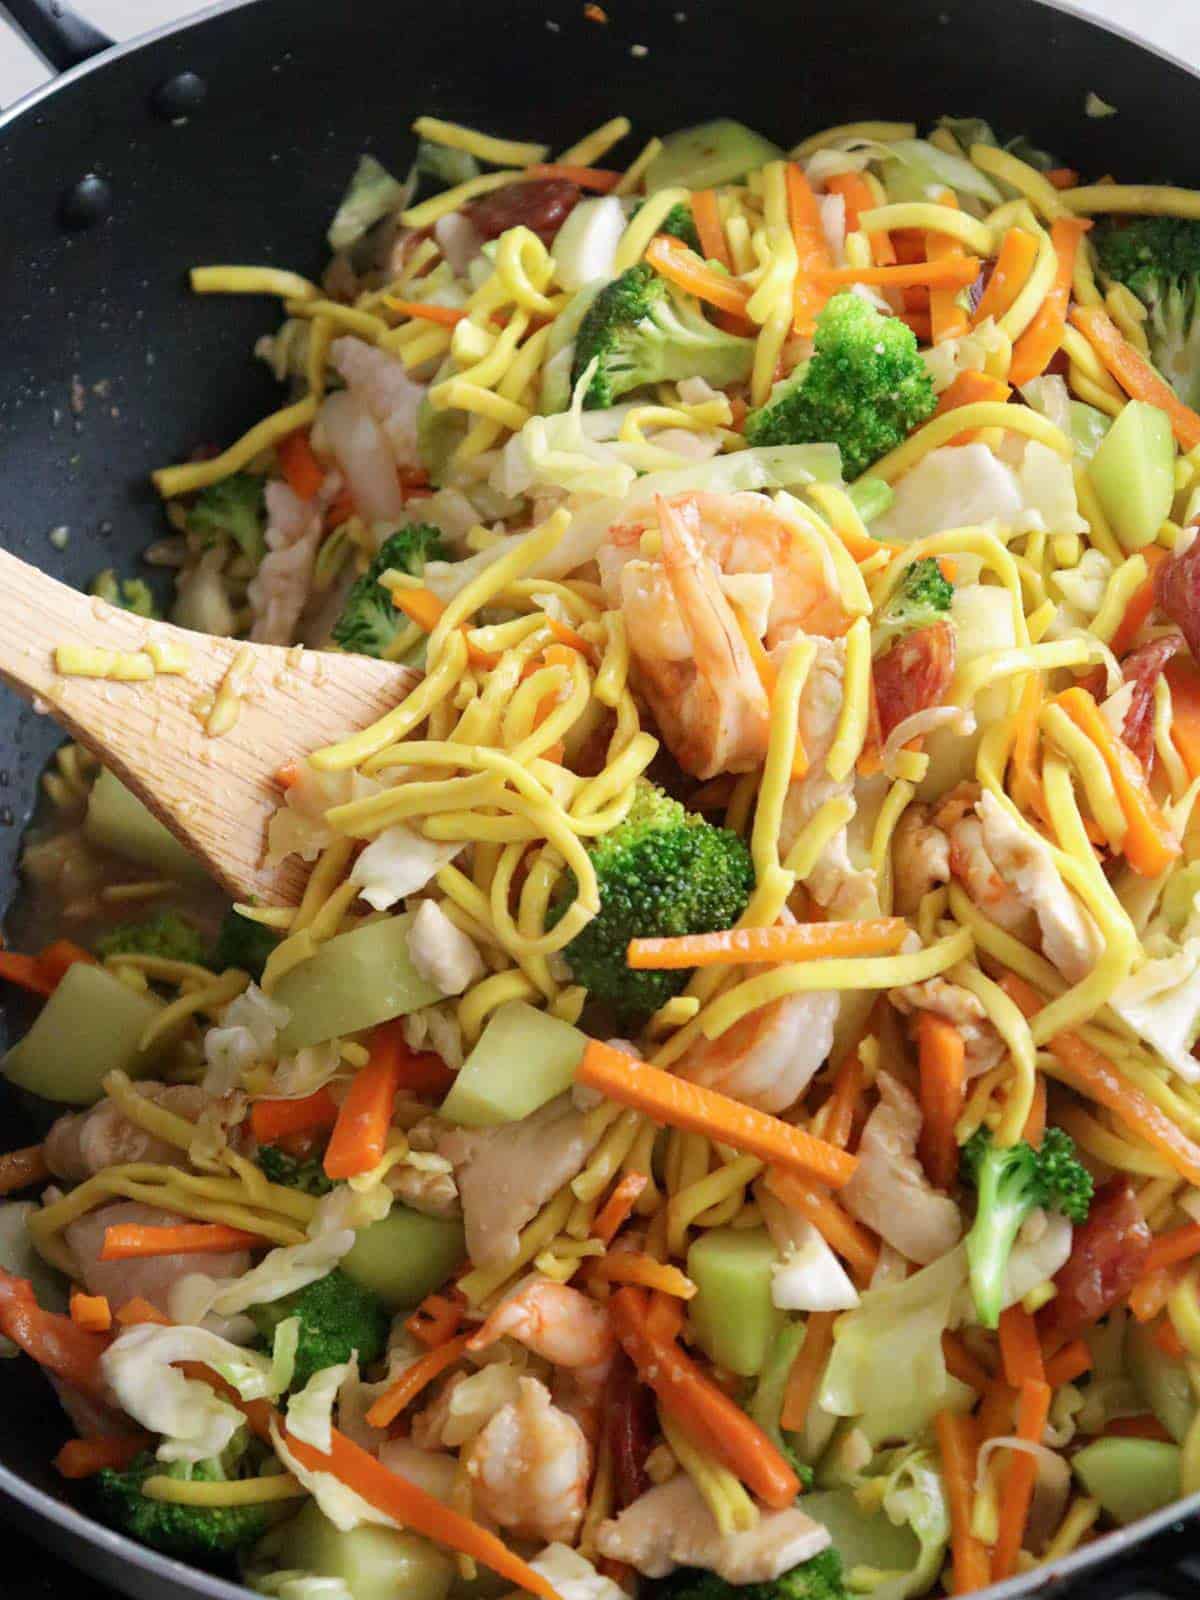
{"x":724,"y":1113}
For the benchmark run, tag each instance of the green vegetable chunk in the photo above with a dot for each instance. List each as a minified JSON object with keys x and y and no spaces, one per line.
{"x":130,"y":594}
{"x":1158,"y":259}
{"x":167,"y":934}
{"x":279,"y":1167}
{"x":1160,"y":1380}
{"x":243,"y":944}
{"x":90,"y":1026}
{"x":710,"y":154}
{"x":118,"y":821}
{"x":662,"y":872}
{"x":1130,"y":1477}
{"x":190,"y":1532}
{"x":732,"y":1317}
{"x":405,"y":1256}
{"x":523,"y":1059}
{"x":353,"y":982}
{"x":1133,"y":473}
{"x":818,"y":1579}
{"x":373,"y":1563}
{"x":680,"y":224}
{"x":864,"y":1538}
{"x":233,"y":509}
{"x":639,"y":332}
{"x":371,"y":195}
{"x":369,"y":621}
{"x":865,"y":389}
{"x":923,"y":597}
{"x":338,"y":1315}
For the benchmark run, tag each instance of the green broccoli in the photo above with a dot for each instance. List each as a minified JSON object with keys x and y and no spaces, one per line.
{"x":337,"y":1318}
{"x":1158,"y":260}
{"x":190,"y":1532}
{"x":131,"y":594}
{"x":638,"y":333}
{"x":242,"y":944}
{"x":166,"y":934}
{"x":663,"y":871}
{"x":279,"y":1167}
{"x":865,"y":389}
{"x":680,"y":224}
{"x":923,"y":597}
{"x":233,"y":509}
{"x":369,"y":621}
{"x":1010,"y":1184}
{"x":817,"y":1579}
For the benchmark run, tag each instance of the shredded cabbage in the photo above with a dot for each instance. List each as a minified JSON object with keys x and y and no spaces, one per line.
{"x":281,"y":1272}
{"x":961,"y":485}
{"x":247,"y":1033}
{"x":345,"y":1509}
{"x":310,"y":1411}
{"x":910,"y":1492}
{"x":398,"y":862}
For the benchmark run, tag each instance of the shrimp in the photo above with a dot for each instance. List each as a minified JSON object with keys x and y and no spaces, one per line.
{"x":983,"y":1045}
{"x":920,"y":859}
{"x":529,"y":1467}
{"x":381,"y":383}
{"x":559,"y":1324}
{"x":770,"y":1056}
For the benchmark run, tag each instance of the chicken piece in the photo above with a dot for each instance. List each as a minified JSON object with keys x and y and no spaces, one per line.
{"x":148,"y":1278}
{"x":434,"y":1193}
{"x":278,"y":590}
{"x":505,"y":1175}
{"x":442,"y":953}
{"x":920,"y":859}
{"x":983,"y":1046}
{"x":529,"y":1467}
{"x":889,"y":1191}
{"x":382,"y":384}
{"x":83,"y":1143}
{"x":670,"y":1526}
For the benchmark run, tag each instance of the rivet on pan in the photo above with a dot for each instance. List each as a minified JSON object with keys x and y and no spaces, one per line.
{"x":180,"y":96}
{"x":87,"y":202}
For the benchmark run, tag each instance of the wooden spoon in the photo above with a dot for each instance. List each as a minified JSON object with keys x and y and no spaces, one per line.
{"x":215,"y":794}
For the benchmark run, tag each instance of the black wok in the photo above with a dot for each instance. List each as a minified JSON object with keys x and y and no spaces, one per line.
{"x":124,"y":173}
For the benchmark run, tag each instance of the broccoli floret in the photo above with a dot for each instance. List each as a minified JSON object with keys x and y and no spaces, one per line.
{"x":191,"y":1532}
{"x":680,"y":224}
{"x":167,"y":934}
{"x":922,"y":598}
{"x":337,"y":1317}
{"x":233,"y":509}
{"x":865,"y":388}
{"x":279,"y":1167}
{"x":1158,"y":259}
{"x":369,"y":621}
{"x":1010,"y":1184}
{"x":638,"y":333}
{"x":818,"y":1579}
{"x":131,"y":594}
{"x":242,"y":944}
{"x":663,"y":871}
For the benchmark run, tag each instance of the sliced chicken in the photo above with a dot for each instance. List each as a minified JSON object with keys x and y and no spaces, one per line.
{"x":889,"y":1191}
{"x":920,"y":859}
{"x":83,"y":1143}
{"x":149,"y":1278}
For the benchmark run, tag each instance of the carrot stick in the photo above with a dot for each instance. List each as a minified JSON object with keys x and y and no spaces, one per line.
{"x":1034,"y":1130}
{"x":137,"y":1311}
{"x":708,"y":1415}
{"x":839,"y":1110}
{"x":25,"y":972}
{"x":968,"y":388}
{"x":54,"y":1341}
{"x":679,"y":1104}
{"x":1141,"y":1427}
{"x":943,"y":1082}
{"x":856,"y":193}
{"x":805,"y":941}
{"x":415,"y":1378}
{"x":1135,"y":374}
{"x":359,"y":1136}
{"x":1183,"y":680}
{"x":601,"y":179}
{"x":90,"y":1311}
{"x":304,"y":473}
{"x":707,"y":218}
{"x":1027,"y":791}
{"x":812,"y":249}
{"x":437,"y":1319}
{"x":961,"y":1364}
{"x":1149,"y":846}
{"x":84,"y":1458}
{"x":920,"y":322}
{"x":21,"y":1169}
{"x":1063,"y":177}
{"x":1009,"y":276}
{"x":1141,"y":603}
{"x":629,"y":1266}
{"x":417,"y":1071}
{"x":1168,"y":1341}
{"x":1032,"y":1411}
{"x":129,"y":1241}
{"x":575,"y":641}
{"x":952,"y":272}
{"x":57,"y":957}
{"x":810,"y":1362}
{"x":947,"y":318}
{"x":664,"y":1316}
{"x":1071,"y":1362}
{"x":1169,"y":1249}
{"x":618,"y":1208}
{"x":272,"y":1120}
{"x":956,"y":1442}
{"x":672,"y":259}
{"x":421,"y":606}
{"x":1037,"y":346}
{"x":1020,"y":1352}
{"x":447,"y":316}
{"x":846,"y":1237}
{"x":1150,"y":1294}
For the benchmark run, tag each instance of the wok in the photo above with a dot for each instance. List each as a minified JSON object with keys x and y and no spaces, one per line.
{"x":230,"y":138}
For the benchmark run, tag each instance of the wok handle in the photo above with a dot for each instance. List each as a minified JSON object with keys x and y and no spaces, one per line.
{"x":59,"y":35}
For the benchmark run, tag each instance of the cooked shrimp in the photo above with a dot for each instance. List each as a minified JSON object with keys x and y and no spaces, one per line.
{"x":971,"y":864}
{"x":383,"y":385}
{"x":920,"y":859}
{"x":889,"y":1191}
{"x":559,"y":1324}
{"x":983,"y":1046}
{"x":529,"y":1467}
{"x":769,"y":1057}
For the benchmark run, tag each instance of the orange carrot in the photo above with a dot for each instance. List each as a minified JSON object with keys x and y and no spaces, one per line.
{"x":952,"y":272}
{"x":846,"y":1237}
{"x":54,"y":961}
{"x":129,"y":1241}
{"x":84,"y":1458}
{"x":25,"y":972}
{"x":1026,"y":783}
{"x":1141,"y":1427}
{"x":1062,"y":177}
{"x":947,"y":317}
{"x":304,"y":473}
{"x":272,"y":1120}
{"x":54,"y":1341}
{"x":1168,"y":1340}
{"x":968,"y":388}
{"x":631,"y":1266}
{"x":684,"y":268}
{"x":91,"y":1311}
{"x":679,"y":1104}
{"x":856,"y":193}
{"x":1033,"y":1409}
{"x":573,"y":640}
{"x":812,"y":249}
{"x":137,"y":1311}
{"x":838,"y":1112}
{"x":1071,"y":1362}
{"x":1009,"y":276}
{"x":920,"y":322}
{"x":447,"y":316}
{"x":360,"y":1133}
{"x":1150,"y":846}
{"x":710,"y":1416}
{"x":1150,"y":1294}
{"x":1169,"y":1249}
{"x":618,"y":1208}
{"x":421,"y":606}
{"x":437,"y":1319}
{"x":957,"y":1444}
{"x":762,"y":663}
{"x":288,"y":775}
{"x":418,"y":1072}
{"x":1134,"y":373}
{"x":1141,"y":603}
{"x":943,"y":1084}
{"x":961,"y":1364}
{"x":1038,"y":345}
{"x":804,"y":941}
{"x":1020,"y":1352}
{"x":664,"y":1316}
{"x":1183,"y":680}
{"x":415,"y":1378}
{"x":810,"y":1363}
{"x":21,"y":1169}
{"x":601,"y":179}
{"x":706,"y":216}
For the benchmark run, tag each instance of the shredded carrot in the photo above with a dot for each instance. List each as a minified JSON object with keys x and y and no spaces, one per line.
{"x":1018,"y":252}
{"x":91,"y":1311}
{"x":810,"y":1363}
{"x":763,"y":665}
{"x":952,"y":272}
{"x":943,"y":1084}
{"x":1183,"y":680}
{"x":956,"y":1437}
{"x":948,"y":319}
{"x":920,"y":322}
{"x":25,"y":972}
{"x":844,"y":1236}
{"x":1069,"y":1363}
{"x":1026,"y":786}
{"x":706,"y":216}
{"x":1020,"y":1352}
{"x":304,"y":473}
{"x":54,"y":1341}
{"x":870,"y":758}
{"x":812,"y":249}
{"x":1062,"y":177}
{"x":996,"y":1412}
{"x":1149,"y":845}
{"x":288,"y":775}
{"x":598,"y":178}
{"x":272,"y":1120}
{"x":804,"y":941}
{"x":137,"y":1311}
{"x":1169,"y":1249}
{"x":1141,"y":603}
{"x":1038,"y":345}
{"x":630,"y":1266}
{"x":84,"y":1458}
{"x":961,"y":1364}
{"x":671,"y":1100}
{"x":856,"y":193}
{"x":1168,"y":1340}
{"x":664,"y":1316}
{"x":684,"y":268}
{"x":129,"y":1241}
{"x":1140,"y":1427}
{"x":21,"y":1169}
{"x":1134,"y":373}
{"x":57,"y":958}
{"x":618,"y":1208}
{"x":574,"y":641}
{"x":968,"y":388}
{"x":421,"y":606}
{"x":437,"y":1319}
{"x":359,"y":1136}
{"x":415,"y":1378}
{"x":1032,"y":1411}
{"x":842,"y":1105}
{"x":447,"y":316}
{"x":1034,"y":1130}
{"x":707,"y":1414}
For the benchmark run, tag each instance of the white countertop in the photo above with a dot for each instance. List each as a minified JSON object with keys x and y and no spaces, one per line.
{"x":1173,"y":25}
